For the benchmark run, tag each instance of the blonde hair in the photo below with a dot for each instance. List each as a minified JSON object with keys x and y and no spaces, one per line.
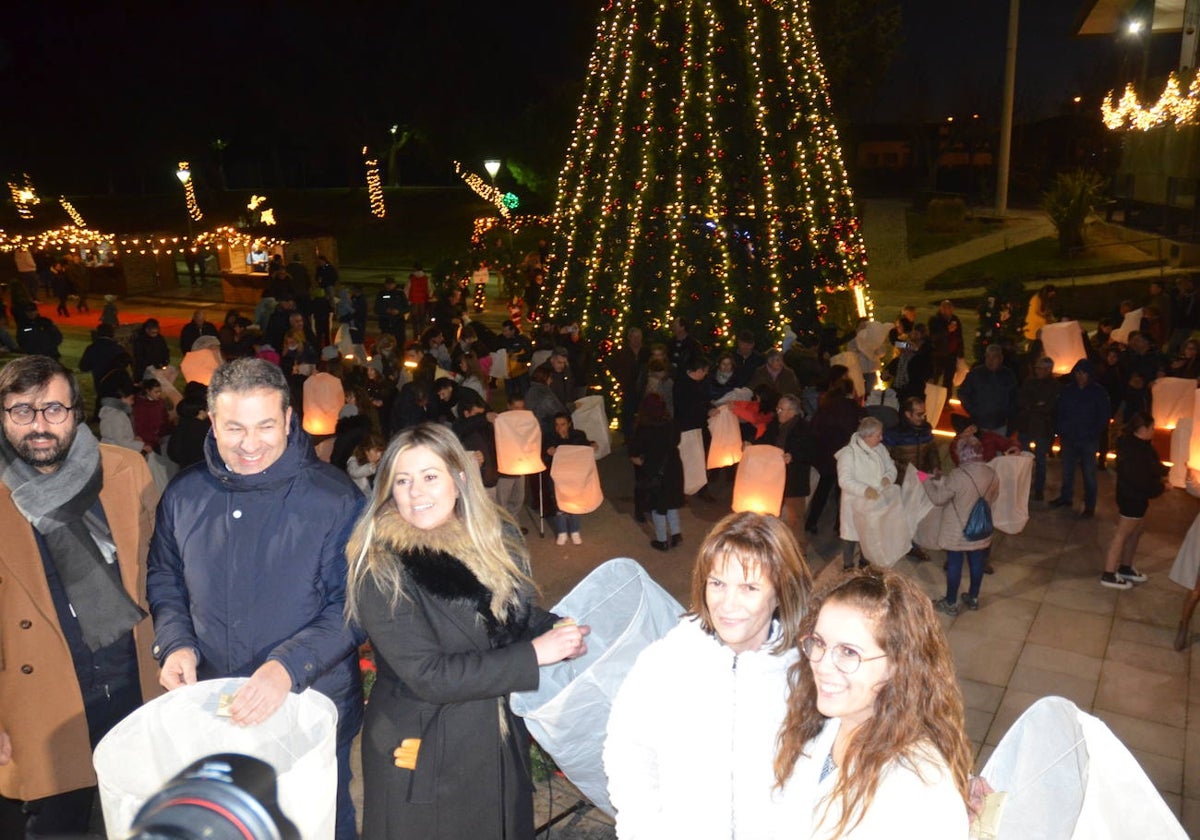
{"x":500,"y":561}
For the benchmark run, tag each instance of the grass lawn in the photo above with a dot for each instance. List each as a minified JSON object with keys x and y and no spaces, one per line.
{"x":1023,"y":262}
{"x":923,"y":241}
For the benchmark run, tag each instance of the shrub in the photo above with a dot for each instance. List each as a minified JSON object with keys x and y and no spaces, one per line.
{"x":1069,"y":202}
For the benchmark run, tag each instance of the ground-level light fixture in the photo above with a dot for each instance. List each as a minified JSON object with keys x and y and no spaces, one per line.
{"x":492,"y":166}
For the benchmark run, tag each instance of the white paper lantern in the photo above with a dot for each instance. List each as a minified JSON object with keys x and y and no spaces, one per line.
{"x":518,"y":443}
{"x":198,"y":365}
{"x":1063,"y":342}
{"x":760,"y":481}
{"x":324,"y":397}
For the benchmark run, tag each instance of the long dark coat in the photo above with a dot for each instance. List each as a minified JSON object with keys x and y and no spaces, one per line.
{"x":445,"y":670}
{"x":658,"y":445}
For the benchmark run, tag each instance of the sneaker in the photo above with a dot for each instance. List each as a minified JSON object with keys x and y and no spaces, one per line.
{"x":1114,"y":581}
{"x":918,"y":555}
{"x":1088,"y":513}
{"x":1059,"y":502}
{"x":970,"y":602}
{"x":676,"y":539}
{"x":863,"y":563}
{"x":1131,"y":574}
{"x":661,"y":546}
{"x":576,"y":539}
{"x":945,"y":607}
{"x":561,"y":539}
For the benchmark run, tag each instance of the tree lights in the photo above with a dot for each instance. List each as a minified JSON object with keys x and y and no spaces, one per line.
{"x":24,"y":197}
{"x":374,"y":185}
{"x":75,"y":215}
{"x":705,"y":175}
{"x":1174,"y":107}
{"x":484,"y":190}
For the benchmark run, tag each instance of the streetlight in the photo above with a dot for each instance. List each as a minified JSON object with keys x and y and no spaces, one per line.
{"x":184,"y":174}
{"x":492,"y":166}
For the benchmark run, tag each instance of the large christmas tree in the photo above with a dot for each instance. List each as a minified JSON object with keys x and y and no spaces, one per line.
{"x":705,"y":177}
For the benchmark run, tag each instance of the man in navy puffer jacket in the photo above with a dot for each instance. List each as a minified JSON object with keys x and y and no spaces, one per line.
{"x":1083,"y":414}
{"x":247,"y":568}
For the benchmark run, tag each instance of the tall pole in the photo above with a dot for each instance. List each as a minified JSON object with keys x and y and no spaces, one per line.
{"x":1006,"y":114}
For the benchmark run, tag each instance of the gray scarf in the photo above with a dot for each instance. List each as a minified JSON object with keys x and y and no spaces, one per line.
{"x":59,"y":505}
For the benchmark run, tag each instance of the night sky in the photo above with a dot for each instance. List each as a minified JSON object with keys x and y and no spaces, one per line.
{"x":110,"y":96}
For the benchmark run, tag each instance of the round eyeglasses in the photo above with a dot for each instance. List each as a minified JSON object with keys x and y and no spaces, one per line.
{"x":54,"y":413}
{"x":845,"y":658}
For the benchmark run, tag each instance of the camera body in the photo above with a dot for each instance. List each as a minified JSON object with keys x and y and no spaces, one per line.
{"x":220,"y":797}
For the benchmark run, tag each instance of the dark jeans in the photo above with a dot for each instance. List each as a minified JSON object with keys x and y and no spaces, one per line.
{"x":820,"y":497}
{"x":1041,"y":448}
{"x":1084,"y":455}
{"x":344,"y":827}
{"x":976,"y":561}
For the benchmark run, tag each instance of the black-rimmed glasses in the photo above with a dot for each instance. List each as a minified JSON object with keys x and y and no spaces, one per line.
{"x":845,"y":658}
{"x":54,"y":413}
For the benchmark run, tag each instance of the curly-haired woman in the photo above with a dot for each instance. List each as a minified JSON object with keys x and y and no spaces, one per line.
{"x":873,"y":738}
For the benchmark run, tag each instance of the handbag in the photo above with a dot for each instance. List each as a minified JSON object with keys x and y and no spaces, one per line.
{"x":979,"y":521}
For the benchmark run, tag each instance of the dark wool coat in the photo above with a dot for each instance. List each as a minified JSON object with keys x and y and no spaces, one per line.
{"x":445,"y":669}
{"x":660,"y":478}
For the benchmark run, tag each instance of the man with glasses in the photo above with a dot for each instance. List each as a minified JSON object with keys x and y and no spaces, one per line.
{"x":76,"y":518}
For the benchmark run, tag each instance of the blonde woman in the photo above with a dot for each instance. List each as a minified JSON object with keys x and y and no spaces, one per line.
{"x":439,"y":580}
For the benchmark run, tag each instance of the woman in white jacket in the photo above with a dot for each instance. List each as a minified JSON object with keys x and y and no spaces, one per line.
{"x":693,"y":729}
{"x":864,"y":469}
{"x":874,"y":742}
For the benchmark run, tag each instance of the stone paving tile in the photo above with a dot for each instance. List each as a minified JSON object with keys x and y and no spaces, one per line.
{"x":1079,"y":690}
{"x":1145,"y":656}
{"x":1191,"y":764}
{"x":1165,"y":773}
{"x":1146,"y":735}
{"x":999,"y":618}
{"x":978,"y":722}
{"x":1070,"y":629}
{"x":981,"y":696}
{"x":983,"y":658}
{"x":1061,"y":661}
{"x":1148,"y":634}
{"x":1191,"y":817}
{"x":1084,"y":594}
{"x":1142,"y":693}
{"x":1154,"y":605}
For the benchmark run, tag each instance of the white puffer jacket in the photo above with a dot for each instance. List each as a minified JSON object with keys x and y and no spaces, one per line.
{"x":691,"y":740}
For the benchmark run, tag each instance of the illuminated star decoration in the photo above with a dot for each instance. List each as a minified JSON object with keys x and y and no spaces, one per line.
{"x":705,"y":177}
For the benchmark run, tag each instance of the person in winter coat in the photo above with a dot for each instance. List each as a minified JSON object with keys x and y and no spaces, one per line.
{"x":440,"y":582}
{"x":691,"y":735}
{"x":1139,"y":479}
{"x":864,"y":469}
{"x":834,"y":424}
{"x":478,"y":437}
{"x":874,"y":736}
{"x":989,"y":393}
{"x":791,"y":433}
{"x":1037,"y":406}
{"x":658,"y":470}
{"x":116,"y":421}
{"x":956,"y":495}
{"x":1083,"y":414}
{"x":186,"y":444}
{"x":149,"y":349}
{"x":38,"y":335}
{"x":247,"y":569}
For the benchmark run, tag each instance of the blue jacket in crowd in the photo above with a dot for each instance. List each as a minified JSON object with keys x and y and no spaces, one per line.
{"x":1083,"y":412}
{"x":249,"y":568}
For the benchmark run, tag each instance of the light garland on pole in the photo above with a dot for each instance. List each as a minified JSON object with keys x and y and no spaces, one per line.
{"x":484,"y":190}
{"x":72,"y":212}
{"x":374,"y":185}
{"x":1174,"y":107}
{"x":189,"y":191}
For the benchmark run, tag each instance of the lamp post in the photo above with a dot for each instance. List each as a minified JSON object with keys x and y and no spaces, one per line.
{"x":493,"y":167}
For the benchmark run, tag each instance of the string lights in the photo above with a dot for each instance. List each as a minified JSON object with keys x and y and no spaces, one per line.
{"x":705,"y":176}
{"x":1174,"y":107}
{"x":189,"y":191}
{"x":76,"y":217}
{"x":24,"y":196}
{"x":486,"y":191}
{"x":374,"y":185}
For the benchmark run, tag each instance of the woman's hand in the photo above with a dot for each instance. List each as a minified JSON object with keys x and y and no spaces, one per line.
{"x":637,"y":460}
{"x":871,"y":493}
{"x":565,"y":641}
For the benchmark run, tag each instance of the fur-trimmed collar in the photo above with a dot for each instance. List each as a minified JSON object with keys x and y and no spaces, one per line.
{"x":444,"y":563}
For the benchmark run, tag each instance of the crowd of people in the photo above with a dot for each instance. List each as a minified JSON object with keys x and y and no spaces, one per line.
{"x":263,"y":559}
